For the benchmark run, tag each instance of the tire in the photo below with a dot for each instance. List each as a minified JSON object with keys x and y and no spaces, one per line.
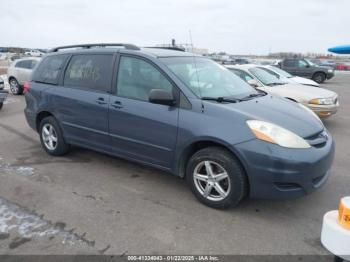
{"x":235,"y":185}
{"x":47,"y":135}
{"x":1,"y":104}
{"x":319,"y":77}
{"x":15,"y":87}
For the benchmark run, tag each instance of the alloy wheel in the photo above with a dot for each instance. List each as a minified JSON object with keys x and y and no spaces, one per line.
{"x":211,"y":180}
{"x":49,"y":136}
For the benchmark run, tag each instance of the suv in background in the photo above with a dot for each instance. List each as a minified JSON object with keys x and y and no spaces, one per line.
{"x":19,"y":72}
{"x":305,"y":68}
{"x":181,"y":113}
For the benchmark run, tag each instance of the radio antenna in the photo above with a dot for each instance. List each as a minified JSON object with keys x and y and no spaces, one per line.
{"x":196,"y":69}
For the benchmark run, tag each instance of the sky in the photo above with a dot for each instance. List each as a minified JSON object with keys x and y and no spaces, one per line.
{"x":234,"y":26}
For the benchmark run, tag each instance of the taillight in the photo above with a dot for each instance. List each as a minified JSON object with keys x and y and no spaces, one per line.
{"x":26,"y":87}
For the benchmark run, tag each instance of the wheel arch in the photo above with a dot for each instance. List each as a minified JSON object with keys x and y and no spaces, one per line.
{"x":40,"y":116}
{"x":319,"y":72}
{"x":197,"y":145}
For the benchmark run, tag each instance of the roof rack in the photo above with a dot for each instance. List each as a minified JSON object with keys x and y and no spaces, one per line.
{"x":87,"y":46}
{"x":176,"y":48}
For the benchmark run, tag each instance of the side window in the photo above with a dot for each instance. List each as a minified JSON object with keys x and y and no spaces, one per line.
{"x":20,"y":64}
{"x":302,"y":63}
{"x":49,"y":69}
{"x":241,"y":74}
{"x":32,"y":64}
{"x":289,"y":63}
{"x":89,"y":72}
{"x":136,"y":78}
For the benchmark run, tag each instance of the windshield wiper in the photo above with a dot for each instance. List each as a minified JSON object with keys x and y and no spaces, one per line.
{"x":276,"y":84}
{"x":222,"y":99}
{"x":261,"y":93}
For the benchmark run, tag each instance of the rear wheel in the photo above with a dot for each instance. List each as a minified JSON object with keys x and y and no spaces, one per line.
{"x":15,"y":88}
{"x":51,"y":137}
{"x":1,"y":104}
{"x":319,"y":77}
{"x":216,"y":178}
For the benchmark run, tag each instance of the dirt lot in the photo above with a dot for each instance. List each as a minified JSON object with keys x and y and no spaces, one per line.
{"x":88,"y":202}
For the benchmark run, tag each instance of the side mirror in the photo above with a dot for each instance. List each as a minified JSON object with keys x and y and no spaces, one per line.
{"x":307,"y":66}
{"x":161,"y":97}
{"x":253,"y":83}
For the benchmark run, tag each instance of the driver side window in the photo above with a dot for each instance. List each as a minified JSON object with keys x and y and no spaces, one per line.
{"x":136,"y":78}
{"x":302,"y":63}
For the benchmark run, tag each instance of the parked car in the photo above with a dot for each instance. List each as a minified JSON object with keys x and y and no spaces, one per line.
{"x":3,"y":96}
{"x":19,"y":72}
{"x":305,"y":68}
{"x":321,"y":101}
{"x":181,"y":113}
{"x":33,"y":53}
{"x":279,"y":73}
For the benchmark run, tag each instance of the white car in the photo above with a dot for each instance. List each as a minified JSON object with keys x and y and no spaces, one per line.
{"x":290,"y":78}
{"x":35,"y":53}
{"x":321,"y":101}
{"x":19,"y":72}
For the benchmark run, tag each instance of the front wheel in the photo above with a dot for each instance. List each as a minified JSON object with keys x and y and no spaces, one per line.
{"x":51,"y":137}
{"x":319,"y":77}
{"x":15,"y":88}
{"x":216,"y":178}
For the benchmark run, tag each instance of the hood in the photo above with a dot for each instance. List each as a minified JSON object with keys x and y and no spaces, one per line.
{"x":304,"y":81}
{"x":300,"y":93}
{"x":269,"y":108}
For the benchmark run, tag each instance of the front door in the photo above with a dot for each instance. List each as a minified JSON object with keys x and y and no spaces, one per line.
{"x":140,"y":129}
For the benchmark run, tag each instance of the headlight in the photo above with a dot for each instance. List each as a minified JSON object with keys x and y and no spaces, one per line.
{"x":330,"y":70}
{"x":272,"y":133}
{"x":322,"y":101}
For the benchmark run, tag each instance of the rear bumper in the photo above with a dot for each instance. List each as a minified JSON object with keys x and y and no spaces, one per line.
{"x":324,"y":111}
{"x":275,"y":172}
{"x":31,"y":118}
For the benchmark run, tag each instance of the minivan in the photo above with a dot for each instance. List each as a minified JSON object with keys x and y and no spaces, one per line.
{"x":181,"y":113}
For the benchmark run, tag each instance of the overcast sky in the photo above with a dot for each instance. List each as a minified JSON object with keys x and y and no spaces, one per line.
{"x":235,"y":26}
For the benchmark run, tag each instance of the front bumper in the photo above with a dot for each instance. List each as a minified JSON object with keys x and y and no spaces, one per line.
{"x":275,"y":172}
{"x":324,"y":111}
{"x":330,"y":75}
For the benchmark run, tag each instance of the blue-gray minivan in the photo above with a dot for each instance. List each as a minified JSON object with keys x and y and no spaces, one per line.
{"x":181,"y":113}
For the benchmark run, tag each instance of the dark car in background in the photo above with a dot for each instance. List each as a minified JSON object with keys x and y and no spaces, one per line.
{"x":181,"y":113}
{"x":305,"y":68}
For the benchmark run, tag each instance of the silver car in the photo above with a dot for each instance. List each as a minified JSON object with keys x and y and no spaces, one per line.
{"x":321,"y":101}
{"x":19,"y":72}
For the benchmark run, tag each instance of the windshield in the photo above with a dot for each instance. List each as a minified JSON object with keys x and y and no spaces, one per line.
{"x":310,"y":63}
{"x":207,"y":78}
{"x":281,"y":72}
{"x":265,"y":77}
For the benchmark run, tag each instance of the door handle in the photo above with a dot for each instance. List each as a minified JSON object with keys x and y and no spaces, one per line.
{"x":117,"y":105}
{"x":101,"y":101}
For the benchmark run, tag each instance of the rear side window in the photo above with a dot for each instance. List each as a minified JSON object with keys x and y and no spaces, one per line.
{"x":49,"y":69}
{"x":27,"y":64}
{"x":89,"y":72}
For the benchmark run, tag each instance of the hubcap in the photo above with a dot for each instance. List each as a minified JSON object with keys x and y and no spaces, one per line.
{"x":49,"y":136}
{"x":14,"y":86}
{"x":211,"y":180}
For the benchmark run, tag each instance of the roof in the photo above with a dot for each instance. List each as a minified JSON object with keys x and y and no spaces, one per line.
{"x":87,"y":48}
